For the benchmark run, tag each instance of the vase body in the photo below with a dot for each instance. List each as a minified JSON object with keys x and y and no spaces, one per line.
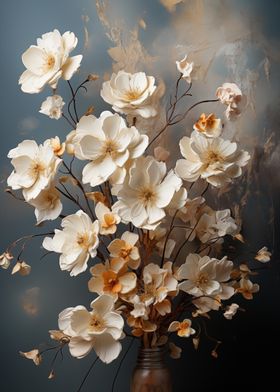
{"x":151,"y":373}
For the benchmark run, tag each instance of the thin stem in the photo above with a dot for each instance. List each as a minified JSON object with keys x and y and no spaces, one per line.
{"x":121,"y":362}
{"x":81,"y":188}
{"x":67,"y":119}
{"x":185,"y":242}
{"x":74,"y":103}
{"x":87,"y":374}
{"x":183,"y":116}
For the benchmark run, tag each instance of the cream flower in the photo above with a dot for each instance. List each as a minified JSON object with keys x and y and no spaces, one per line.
{"x":22,"y":268}
{"x":185,"y":68}
{"x":47,"y":62}
{"x":108,"y":143}
{"x":58,"y":148}
{"x":247,"y":288}
{"x":231,"y":310}
{"x":205,"y":276}
{"x":34,"y":168}
{"x":212,"y":225}
{"x":146,"y":192}
{"x":130,"y":93}
{"x":112,"y":278}
{"x":107,"y":219}
{"x":98,"y":329}
{"x":158,"y":284}
{"x":209,"y":125}
{"x":125,"y":248}
{"x":191,"y":210}
{"x":263,"y":255}
{"x":52,"y":107}
{"x":230,"y":94}
{"x":34,"y":355}
{"x":77,"y":241}
{"x":5,"y":260}
{"x":47,"y":205}
{"x":183,"y":328}
{"x":216,"y":160}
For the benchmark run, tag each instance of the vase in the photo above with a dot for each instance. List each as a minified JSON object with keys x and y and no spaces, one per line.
{"x":151,"y":373}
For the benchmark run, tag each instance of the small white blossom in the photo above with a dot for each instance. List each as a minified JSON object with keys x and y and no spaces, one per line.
{"x":230,"y":94}
{"x":209,"y":125}
{"x":263,"y":255}
{"x":108,"y":220}
{"x":22,"y":268}
{"x":183,"y":328}
{"x":52,"y":107}
{"x":247,"y":288}
{"x":185,"y":68}
{"x":231,"y":310}
{"x":5,"y":260}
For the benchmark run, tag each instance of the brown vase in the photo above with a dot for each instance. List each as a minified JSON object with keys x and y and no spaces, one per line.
{"x":151,"y":373}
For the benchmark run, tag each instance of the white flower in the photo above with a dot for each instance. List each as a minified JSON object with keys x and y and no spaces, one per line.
{"x":47,"y":62}
{"x":5,"y":260}
{"x":125,"y":248}
{"x":205,"y":276}
{"x":34,"y":168}
{"x":212,"y":225}
{"x":108,"y":220}
{"x":247,"y":288}
{"x":112,"y":278}
{"x":230,"y":94}
{"x":263,"y":255}
{"x":76,"y":242}
{"x":231,"y":311}
{"x":108,"y":143}
{"x":47,"y":205}
{"x":58,"y":148}
{"x":183,"y":328}
{"x":191,"y":210}
{"x":185,"y":68}
{"x":146,"y":192}
{"x":209,"y":126}
{"x":217,"y":161}
{"x":52,"y":107}
{"x":158,"y":283}
{"x":98,"y":329}
{"x":22,"y":268}
{"x":130,"y":93}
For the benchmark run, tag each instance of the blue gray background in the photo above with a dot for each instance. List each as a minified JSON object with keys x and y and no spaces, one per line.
{"x":29,"y":306}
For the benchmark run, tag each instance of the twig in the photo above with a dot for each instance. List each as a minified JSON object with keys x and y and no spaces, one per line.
{"x":87,"y":374}
{"x":121,"y":362}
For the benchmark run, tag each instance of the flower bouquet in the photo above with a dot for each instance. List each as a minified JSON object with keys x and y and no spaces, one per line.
{"x":141,"y":223}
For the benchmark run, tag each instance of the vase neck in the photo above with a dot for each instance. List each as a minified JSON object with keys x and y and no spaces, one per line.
{"x":151,"y":357}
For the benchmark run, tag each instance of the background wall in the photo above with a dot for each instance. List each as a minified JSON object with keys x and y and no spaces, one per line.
{"x":237,"y":40}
